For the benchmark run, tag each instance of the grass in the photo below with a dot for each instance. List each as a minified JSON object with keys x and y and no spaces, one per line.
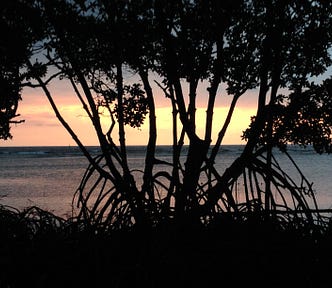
{"x":39,"y":249}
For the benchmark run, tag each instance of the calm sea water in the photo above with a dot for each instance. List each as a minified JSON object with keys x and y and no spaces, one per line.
{"x":49,"y":176}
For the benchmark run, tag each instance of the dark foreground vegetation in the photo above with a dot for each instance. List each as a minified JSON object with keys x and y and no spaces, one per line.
{"x":39,"y":249}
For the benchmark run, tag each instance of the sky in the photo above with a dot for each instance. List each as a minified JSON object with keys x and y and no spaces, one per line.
{"x":42,"y":128}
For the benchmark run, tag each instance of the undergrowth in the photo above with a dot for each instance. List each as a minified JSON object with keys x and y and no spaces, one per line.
{"x":39,"y":249}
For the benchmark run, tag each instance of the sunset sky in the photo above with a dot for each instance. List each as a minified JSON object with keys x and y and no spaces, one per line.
{"x":42,"y":128}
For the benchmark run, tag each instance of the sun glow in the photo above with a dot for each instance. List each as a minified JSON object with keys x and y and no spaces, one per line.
{"x":42,"y":128}
{"x":240,"y":122}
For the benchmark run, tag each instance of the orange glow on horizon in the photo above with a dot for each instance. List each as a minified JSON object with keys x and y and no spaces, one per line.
{"x":42,"y":128}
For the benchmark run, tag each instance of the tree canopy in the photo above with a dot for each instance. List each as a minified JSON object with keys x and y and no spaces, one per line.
{"x":271,"y":47}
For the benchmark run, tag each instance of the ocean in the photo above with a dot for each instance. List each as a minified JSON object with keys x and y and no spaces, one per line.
{"x":49,"y":176}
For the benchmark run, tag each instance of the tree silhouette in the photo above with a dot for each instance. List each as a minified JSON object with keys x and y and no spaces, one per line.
{"x":16,"y":24}
{"x":181,"y":46}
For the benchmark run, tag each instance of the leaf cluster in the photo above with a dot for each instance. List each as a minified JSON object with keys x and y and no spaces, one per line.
{"x":301,"y":118}
{"x":134,"y":105}
{"x":19,"y":28}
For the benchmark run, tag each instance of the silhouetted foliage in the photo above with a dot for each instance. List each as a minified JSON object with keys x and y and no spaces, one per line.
{"x":13,"y":50}
{"x":301,"y":118}
{"x":39,"y":249}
